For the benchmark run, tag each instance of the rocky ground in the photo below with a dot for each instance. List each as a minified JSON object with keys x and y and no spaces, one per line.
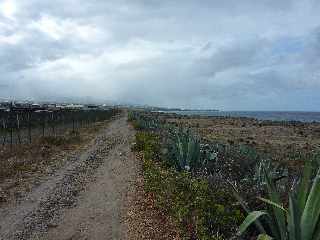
{"x":282,"y":140}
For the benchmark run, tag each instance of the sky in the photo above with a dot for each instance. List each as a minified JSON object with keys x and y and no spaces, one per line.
{"x":228,"y":55}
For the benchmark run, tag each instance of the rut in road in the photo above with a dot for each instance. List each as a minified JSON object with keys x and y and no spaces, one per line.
{"x":85,"y":199}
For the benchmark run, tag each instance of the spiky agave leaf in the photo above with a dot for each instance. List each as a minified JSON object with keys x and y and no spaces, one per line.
{"x":279,"y":216}
{"x":304,"y":185}
{"x":293,"y":219}
{"x":273,"y":204}
{"x":194,"y":152}
{"x":250,"y":219}
{"x":311,"y":212}
{"x":244,"y":206}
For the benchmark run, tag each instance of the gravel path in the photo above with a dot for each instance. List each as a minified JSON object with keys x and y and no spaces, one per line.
{"x":84,"y":199}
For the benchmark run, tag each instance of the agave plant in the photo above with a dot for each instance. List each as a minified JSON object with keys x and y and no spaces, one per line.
{"x":276,"y":172}
{"x":301,"y":220}
{"x":144,"y":121}
{"x":186,"y":152}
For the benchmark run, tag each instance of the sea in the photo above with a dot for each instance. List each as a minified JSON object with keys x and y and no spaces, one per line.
{"x":260,"y":115}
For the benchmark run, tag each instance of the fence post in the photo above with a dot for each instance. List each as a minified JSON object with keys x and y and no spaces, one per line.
{"x":73,"y":122}
{"x":43,"y":123}
{"x":11,"y":130}
{"x":29,"y":127}
{"x":5,"y":129}
{"x":53,"y":125}
{"x":18,"y":127}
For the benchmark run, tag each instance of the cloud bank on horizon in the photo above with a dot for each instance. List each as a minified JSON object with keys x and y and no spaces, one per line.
{"x":257,"y":55}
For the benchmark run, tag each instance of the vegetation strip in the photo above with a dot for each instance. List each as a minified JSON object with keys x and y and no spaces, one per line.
{"x":203,"y":185}
{"x":199,"y":212}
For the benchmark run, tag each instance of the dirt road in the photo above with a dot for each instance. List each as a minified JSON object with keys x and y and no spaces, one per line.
{"x":84,"y":199}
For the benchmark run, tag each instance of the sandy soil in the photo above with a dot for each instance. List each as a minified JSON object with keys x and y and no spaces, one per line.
{"x":98,"y":213}
{"x":84,"y":199}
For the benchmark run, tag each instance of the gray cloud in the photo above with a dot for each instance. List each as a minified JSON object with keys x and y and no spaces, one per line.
{"x":210,"y":54}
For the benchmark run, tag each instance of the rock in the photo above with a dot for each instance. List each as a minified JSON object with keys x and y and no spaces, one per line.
{"x":52,"y":225}
{"x":3,"y":196}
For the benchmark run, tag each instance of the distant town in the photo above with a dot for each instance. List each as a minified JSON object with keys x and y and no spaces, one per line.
{"x":6,"y":105}
{"x":35,"y":106}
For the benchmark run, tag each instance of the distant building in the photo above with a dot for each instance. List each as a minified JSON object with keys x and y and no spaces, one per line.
{"x":74,"y":107}
{"x":92,"y":107}
{"x":5,"y":104}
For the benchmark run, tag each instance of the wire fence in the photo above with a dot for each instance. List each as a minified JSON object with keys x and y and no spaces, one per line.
{"x":25,"y":126}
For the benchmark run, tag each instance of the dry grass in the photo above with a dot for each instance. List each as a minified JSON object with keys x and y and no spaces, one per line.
{"x":31,"y":157}
{"x":22,"y":164}
{"x":276,"y":138}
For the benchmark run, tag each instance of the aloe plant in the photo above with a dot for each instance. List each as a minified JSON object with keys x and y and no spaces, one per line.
{"x":301,"y":221}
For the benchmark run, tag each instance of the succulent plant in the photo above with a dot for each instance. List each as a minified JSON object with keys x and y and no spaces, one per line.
{"x":301,"y":221}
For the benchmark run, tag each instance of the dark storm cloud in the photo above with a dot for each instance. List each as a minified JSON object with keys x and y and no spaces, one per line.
{"x":211,"y":54}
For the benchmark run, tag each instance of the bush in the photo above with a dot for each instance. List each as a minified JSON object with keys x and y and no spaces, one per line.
{"x":148,"y":143}
{"x":201,"y":212}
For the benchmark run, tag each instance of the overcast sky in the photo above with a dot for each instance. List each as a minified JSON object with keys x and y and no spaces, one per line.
{"x":231,"y":54}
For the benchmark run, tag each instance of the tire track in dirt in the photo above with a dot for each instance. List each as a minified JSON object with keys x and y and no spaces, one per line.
{"x":84,"y":199}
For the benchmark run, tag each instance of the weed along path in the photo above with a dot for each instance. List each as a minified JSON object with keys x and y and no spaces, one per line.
{"x":85,"y":199}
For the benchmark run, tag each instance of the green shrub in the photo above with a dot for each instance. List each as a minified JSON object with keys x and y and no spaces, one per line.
{"x":201,"y":212}
{"x":148,"y":143}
